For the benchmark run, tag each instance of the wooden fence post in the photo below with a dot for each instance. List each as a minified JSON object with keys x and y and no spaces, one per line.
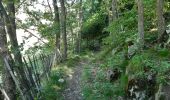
{"x":30,"y":78}
{"x":5,"y":95}
{"x":36,"y":72}
{"x":32,"y":69}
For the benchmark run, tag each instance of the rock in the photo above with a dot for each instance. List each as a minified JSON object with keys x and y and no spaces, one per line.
{"x":61,"y":80}
{"x":163,"y":92}
{"x":113,"y":75}
{"x":137,"y":89}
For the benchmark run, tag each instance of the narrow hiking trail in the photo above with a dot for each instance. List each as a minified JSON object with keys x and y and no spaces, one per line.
{"x":73,"y":88}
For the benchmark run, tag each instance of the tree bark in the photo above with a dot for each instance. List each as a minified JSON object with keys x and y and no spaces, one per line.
{"x":161,"y":20}
{"x":8,"y":83}
{"x":14,"y":43}
{"x":57,"y":23}
{"x":140,"y":23}
{"x":11,"y":30}
{"x":114,"y":10}
{"x":63,"y":28}
{"x":72,"y":37}
{"x":80,"y":14}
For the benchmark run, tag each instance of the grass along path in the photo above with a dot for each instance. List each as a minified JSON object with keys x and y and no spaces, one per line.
{"x":71,"y":88}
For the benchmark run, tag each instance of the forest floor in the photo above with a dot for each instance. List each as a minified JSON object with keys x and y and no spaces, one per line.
{"x":73,"y":88}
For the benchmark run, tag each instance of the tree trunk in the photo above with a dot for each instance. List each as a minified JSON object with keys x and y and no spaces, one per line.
{"x":63,"y":27}
{"x":72,"y":37}
{"x":14,"y":43}
{"x":57,"y":23}
{"x":140,"y":23}
{"x":80,"y":23}
{"x":78,"y":47}
{"x":8,"y":83}
{"x":114,"y":10}
{"x":161,"y":22}
{"x":11,"y":30}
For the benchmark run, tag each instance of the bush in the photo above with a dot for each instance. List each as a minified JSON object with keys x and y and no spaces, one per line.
{"x":53,"y":88}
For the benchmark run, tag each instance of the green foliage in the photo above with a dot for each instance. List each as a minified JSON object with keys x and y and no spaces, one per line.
{"x":150,"y":37}
{"x":94,"y":26}
{"x":113,"y":60}
{"x":150,"y":17}
{"x":164,"y":52}
{"x":49,"y":31}
{"x":36,"y":50}
{"x":123,"y":82}
{"x":96,"y":86}
{"x":120,"y":30}
{"x":105,"y":52}
{"x":91,"y":7}
{"x":71,"y":62}
{"x":154,"y":59}
{"x":53,"y":89}
{"x":136,"y":65}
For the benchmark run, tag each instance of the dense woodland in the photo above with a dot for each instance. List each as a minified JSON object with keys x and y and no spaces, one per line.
{"x":85,"y":50}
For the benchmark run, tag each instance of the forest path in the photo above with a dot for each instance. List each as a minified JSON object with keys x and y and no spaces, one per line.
{"x":73,"y":88}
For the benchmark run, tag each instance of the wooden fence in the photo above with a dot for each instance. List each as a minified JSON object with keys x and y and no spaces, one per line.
{"x":37,"y":69}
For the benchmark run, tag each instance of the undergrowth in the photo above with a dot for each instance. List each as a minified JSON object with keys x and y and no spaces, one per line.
{"x":95,"y":86}
{"x":54,"y":87}
{"x":71,"y":62}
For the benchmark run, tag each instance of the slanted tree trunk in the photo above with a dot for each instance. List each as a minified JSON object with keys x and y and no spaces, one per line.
{"x":140,"y":23}
{"x":8,"y":83}
{"x":161,"y":22}
{"x":63,"y":27}
{"x":14,"y":43}
{"x":11,"y":30}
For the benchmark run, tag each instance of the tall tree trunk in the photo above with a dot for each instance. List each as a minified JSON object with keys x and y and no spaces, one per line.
{"x":80,"y":23}
{"x":63,"y":27}
{"x":78,"y":47}
{"x":114,"y":10}
{"x":72,"y":37}
{"x":161,"y":29}
{"x":14,"y":43}
{"x":140,"y":23}
{"x":57,"y":23}
{"x":161,"y":22}
{"x":8,"y":83}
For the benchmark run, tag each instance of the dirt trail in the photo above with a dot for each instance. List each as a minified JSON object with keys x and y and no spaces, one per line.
{"x":73,"y":89}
